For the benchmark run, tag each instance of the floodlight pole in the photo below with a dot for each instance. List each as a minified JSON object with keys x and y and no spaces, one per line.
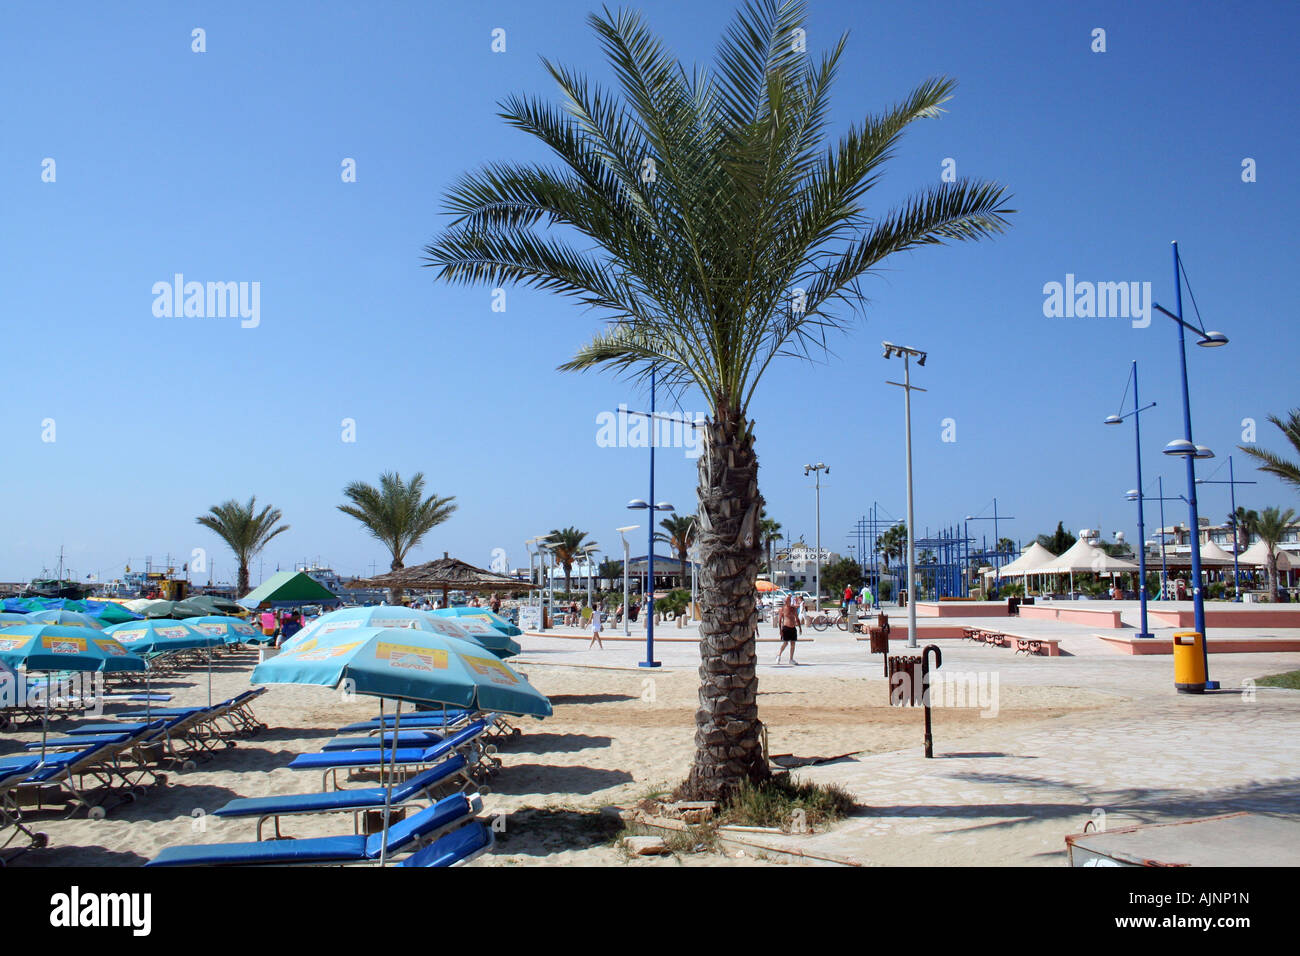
{"x":907,"y":387}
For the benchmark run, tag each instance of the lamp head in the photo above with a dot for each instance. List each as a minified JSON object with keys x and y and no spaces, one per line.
{"x":664,"y":506}
{"x":1180,"y":448}
{"x":1203,"y":452}
{"x":1132,"y":494}
{"x":1112,"y":420}
{"x":921,"y":361}
{"x":1212,"y":340}
{"x":637,"y":504}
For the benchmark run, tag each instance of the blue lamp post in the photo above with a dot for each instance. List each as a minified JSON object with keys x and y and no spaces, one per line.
{"x":638,"y":504}
{"x":1232,"y":484}
{"x":1135,"y":495}
{"x":1187,"y":450}
{"x":1136,"y":413}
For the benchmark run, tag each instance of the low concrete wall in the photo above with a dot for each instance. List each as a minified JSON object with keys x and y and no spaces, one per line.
{"x":1240,"y":615}
{"x":1222,"y":645}
{"x":959,"y":609}
{"x":1093,"y":617}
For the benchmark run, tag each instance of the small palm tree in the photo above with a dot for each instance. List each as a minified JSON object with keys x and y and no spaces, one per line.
{"x":681,"y":535}
{"x":892,"y":543}
{"x":709,"y":216}
{"x":1241,"y":521}
{"x":1271,"y":527}
{"x":568,"y":544}
{"x":397,"y":513}
{"x":1273,"y":463}
{"x":244,"y":530}
{"x":770,"y":533}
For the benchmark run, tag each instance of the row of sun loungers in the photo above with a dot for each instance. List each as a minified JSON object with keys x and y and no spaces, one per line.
{"x":97,"y":766}
{"x":442,"y":752}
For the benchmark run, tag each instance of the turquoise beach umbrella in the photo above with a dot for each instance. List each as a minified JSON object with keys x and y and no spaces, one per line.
{"x":231,"y":630}
{"x":406,"y":664}
{"x":496,"y":620}
{"x":13,"y":619}
{"x":57,"y":647}
{"x":159,"y":635}
{"x":386,"y":615}
{"x":63,"y":616}
{"x":477,"y":630}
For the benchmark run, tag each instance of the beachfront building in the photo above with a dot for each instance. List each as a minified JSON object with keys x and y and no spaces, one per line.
{"x":795,"y":568}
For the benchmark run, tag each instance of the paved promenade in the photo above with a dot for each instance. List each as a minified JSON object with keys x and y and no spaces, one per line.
{"x":1009,"y":799}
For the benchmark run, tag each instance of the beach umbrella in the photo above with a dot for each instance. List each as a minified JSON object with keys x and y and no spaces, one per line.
{"x":405,"y":664}
{"x":764,"y":587}
{"x":109,"y":613}
{"x":13,"y":619}
{"x":478,"y":631}
{"x":496,"y":620}
{"x":57,"y":647}
{"x":153,"y":636}
{"x":64,"y":616}
{"x":231,"y":630}
{"x":391,"y":615}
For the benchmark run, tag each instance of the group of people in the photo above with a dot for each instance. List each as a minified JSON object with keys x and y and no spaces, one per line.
{"x":278,"y":628}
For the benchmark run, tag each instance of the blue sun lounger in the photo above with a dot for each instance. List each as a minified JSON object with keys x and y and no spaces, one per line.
{"x":403,"y":837}
{"x":419,"y":720}
{"x":459,"y":846}
{"x":116,"y":765}
{"x":14,"y":772}
{"x":332,"y":761}
{"x":404,"y":738}
{"x":452,"y":770}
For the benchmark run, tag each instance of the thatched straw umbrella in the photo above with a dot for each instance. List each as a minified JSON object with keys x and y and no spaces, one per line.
{"x":446,"y":574}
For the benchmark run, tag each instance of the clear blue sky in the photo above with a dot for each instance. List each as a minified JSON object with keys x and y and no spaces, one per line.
{"x":225,"y":165}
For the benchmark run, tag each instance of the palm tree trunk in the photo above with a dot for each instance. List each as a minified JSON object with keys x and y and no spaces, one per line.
{"x":728,"y":746}
{"x":241,"y":585}
{"x":395,"y":594}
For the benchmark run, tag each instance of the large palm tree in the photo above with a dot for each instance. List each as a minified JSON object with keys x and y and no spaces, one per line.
{"x":1273,"y":463}
{"x":397,"y":513}
{"x":1271,"y":526}
{"x":681,"y":535}
{"x":568,"y":544}
{"x":245,"y":530}
{"x":709,"y":216}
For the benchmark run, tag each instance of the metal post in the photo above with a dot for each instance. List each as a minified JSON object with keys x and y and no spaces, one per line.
{"x":1142,"y":538}
{"x":1164,"y":571}
{"x":650,"y":537}
{"x":1236,"y":575}
{"x":818,"y":568}
{"x":911,"y":516}
{"x":1198,"y":589}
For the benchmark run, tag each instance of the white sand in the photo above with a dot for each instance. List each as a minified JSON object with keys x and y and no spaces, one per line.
{"x":611,"y":742}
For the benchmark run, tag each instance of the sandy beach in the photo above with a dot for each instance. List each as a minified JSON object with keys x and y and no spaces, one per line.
{"x":616,"y":737}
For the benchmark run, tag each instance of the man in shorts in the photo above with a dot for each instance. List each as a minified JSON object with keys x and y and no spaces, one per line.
{"x":788,"y":620}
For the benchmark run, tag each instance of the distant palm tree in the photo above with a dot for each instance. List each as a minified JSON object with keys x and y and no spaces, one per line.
{"x":568,"y":544}
{"x":769,"y":533}
{"x":892,"y":543}
{"x":245,"y":531}
{"x":397,"y":513}
{"x":681,"y":535}
{"x":1241,"y":521}
{"x":1275,"y":464}
{"x":1271,"y":527}
{"x":712,"y":219}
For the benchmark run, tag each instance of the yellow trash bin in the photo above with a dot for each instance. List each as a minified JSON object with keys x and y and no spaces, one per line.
{"x":1189,"y":662}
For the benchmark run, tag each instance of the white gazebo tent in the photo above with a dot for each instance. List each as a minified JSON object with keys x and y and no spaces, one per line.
{"x":1084,"y":556}
{"x":1031,"y":561}
{"x":1257,"y":556}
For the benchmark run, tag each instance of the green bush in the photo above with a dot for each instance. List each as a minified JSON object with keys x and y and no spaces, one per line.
{"x":674,"y":603}
{"x":774,"y":803}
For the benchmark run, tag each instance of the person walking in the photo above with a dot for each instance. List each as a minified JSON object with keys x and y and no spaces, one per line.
{"x":595,"y":629}
{"x":788,"y":618}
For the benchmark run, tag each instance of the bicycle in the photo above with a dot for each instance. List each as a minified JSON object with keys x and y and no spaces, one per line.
{"x":823,"y":620}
